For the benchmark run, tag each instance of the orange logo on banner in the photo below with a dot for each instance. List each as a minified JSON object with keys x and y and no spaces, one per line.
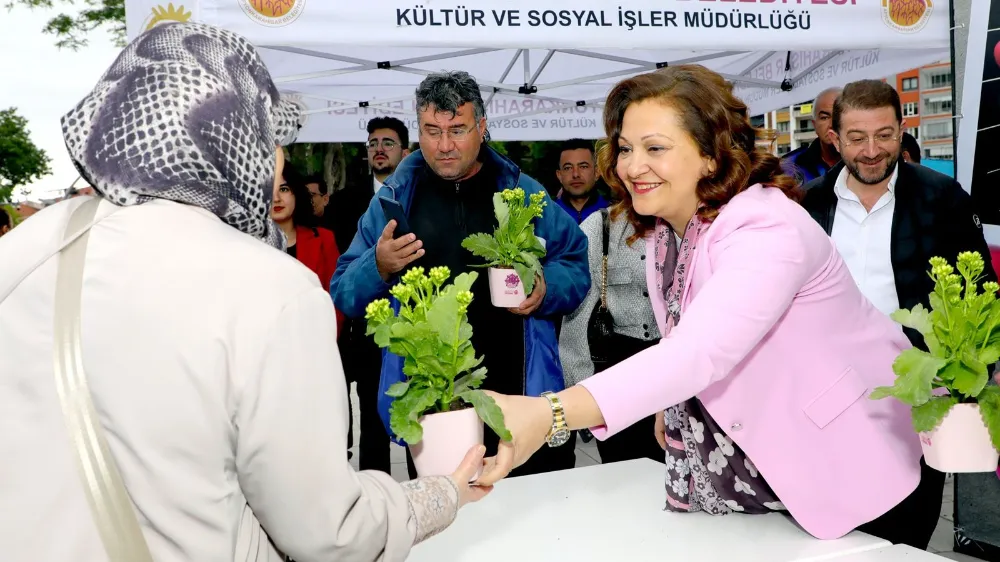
{"x":164,"y":15}
{"x":273,"y":13}
{"x":906,"y":16}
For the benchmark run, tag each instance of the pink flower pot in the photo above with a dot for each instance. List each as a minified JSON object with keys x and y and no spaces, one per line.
{"x":961,"y":443}
{"x":448,"y":436}
{"x":506,"y":289}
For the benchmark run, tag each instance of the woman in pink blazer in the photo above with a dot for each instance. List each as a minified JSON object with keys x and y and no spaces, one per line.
{"x":769,"y":352}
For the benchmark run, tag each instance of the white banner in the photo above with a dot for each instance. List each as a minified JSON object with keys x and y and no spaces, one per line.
{"x":545,"y":66}
{"x":555,"y":24}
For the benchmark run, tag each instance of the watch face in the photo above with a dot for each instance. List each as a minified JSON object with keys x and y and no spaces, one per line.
{"x":559,"y":438}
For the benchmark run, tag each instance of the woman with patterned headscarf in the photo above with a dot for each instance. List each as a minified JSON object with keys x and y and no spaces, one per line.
{"x":204,"y":355}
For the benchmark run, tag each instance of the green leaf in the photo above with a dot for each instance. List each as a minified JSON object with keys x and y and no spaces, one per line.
{"x":972,"y":377}
{"x":483,"y":245}
{"x":443,"y":316}
{"x":915,"y":371}
{"x":928,"y":416}
{"x":472,"y":380}
{"x":406,"y":410}
{"x":527,"y":277}
{"x":918,"y":318}
{"x":990,"y":355}
{"x":465,"y":281}
{"x":881,"y":392}
{"x":382,"y":335}
{"x":501,"y":210}
{"x":467,"y":359}
{"x":488,"y":411}
{"x":989,"y":409}
{"x":531,"y":261}
{"x":398,"y":389}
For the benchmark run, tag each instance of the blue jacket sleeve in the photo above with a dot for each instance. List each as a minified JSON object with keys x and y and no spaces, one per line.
{"x":566,"y":267}
{"x":356,"y":281}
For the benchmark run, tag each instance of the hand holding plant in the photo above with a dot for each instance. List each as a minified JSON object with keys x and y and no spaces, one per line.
{"x":433,"y":336}
{"x":962,"y":334}
{"x":513,"y":244}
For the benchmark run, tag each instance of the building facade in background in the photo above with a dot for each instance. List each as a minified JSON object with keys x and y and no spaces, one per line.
{"x":925,"y":94}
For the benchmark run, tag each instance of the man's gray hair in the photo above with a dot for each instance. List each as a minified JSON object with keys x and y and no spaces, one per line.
{"x":447,"y":91}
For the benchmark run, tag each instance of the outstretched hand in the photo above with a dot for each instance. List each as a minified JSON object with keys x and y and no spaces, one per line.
{"x":529,"y":420}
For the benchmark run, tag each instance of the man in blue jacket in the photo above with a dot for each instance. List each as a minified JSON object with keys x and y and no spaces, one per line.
{"x":446,"y":190}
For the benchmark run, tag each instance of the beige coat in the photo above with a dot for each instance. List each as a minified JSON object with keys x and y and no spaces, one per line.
{"x":213,"y":364}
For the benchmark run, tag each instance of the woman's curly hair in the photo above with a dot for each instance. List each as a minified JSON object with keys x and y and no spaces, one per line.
{"x":715,"y":119}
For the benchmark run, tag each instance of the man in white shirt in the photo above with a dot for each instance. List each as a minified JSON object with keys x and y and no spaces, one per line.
{"x":887,"y":218}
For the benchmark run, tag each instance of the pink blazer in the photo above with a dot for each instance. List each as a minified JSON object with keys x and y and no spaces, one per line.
{"x":781,"y":347}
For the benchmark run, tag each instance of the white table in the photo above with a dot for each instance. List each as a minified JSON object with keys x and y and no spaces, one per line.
{"x":896,"y":553}
{"x":611,"y":513}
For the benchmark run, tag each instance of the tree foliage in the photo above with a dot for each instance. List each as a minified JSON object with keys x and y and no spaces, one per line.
{"x":21,"y":162}
{"x":71,"y":29}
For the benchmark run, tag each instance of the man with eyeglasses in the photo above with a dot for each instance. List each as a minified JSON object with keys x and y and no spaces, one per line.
{"x":888,"y":218}
{"x":446,"y":190}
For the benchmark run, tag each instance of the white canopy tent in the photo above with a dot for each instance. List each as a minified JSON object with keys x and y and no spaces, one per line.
{"x":545,"y":66}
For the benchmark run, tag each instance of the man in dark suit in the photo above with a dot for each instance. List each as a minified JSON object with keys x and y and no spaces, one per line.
{"x":888,"y":218}
{"x":387,"y":144}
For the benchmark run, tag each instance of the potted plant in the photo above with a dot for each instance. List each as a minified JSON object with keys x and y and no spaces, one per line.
{"x":512,"y":252}
{"x":955,"y":410}
{"x":438,"y":410}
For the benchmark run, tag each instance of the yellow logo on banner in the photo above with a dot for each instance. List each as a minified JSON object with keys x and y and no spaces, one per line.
{"x":273,"y":13}
{"x":906,"y":16}
{"x":164,"y":15}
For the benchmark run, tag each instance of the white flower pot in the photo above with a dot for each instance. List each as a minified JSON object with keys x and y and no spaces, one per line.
{"x":506,"y":289}
{"x":961,"y":443}
{"x":448,"y":436}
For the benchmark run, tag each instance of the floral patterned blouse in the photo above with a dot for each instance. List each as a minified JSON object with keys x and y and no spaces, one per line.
{"x":728,"y":481}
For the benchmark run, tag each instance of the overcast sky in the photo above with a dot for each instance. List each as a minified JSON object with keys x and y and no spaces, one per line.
{"x":44,"y":82}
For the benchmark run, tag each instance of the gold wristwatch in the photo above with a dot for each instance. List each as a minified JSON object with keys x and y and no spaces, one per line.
{"x":559,"y":434}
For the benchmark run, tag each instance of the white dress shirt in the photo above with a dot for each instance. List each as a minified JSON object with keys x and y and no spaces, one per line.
{"x":863,"y":240}
{"x":377,"y":184}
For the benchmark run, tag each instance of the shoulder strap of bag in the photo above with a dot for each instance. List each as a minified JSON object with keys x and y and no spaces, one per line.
{"x":110,"y":504}
{"x":605,"y":235}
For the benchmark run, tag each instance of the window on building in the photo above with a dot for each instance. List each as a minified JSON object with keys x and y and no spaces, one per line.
{"x":910,"y":109}
{"x":915,"y":131}
{"x":784,"y":149}
{"x":782,"y":126}
{"x":940,"y":130}
{"x":942,"y":152}
{"x":805,"y":126}
{"x":910,"y":84}
{"x":937,"y":105}
{"x":941,"y":80}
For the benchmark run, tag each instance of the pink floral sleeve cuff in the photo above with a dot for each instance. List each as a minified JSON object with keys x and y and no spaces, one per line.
{"x":433,"y":504}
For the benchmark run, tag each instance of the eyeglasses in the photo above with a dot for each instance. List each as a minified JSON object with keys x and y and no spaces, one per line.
{"x":881,"y":139}
{"x":457,"y":135}
{"x":387,"y":144}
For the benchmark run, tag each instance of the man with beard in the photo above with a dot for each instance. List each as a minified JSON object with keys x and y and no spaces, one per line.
{"x":816,"y":158}
{"x":887,"y":218}
{"x":387,"y":144}
{"x":446,"y":190}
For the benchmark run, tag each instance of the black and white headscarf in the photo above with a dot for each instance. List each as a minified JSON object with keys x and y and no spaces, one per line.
{"x":188,"y":113}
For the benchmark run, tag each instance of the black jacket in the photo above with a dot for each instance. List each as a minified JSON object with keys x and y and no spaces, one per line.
{"x":933,"y":217}
{"x":345,"y":209}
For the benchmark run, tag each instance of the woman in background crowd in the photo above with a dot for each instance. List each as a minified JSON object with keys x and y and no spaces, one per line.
{"x":622,"y":286}
{"x":769,"y":351}
{"x":292,"y":210}
{"x":209,"y":354}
